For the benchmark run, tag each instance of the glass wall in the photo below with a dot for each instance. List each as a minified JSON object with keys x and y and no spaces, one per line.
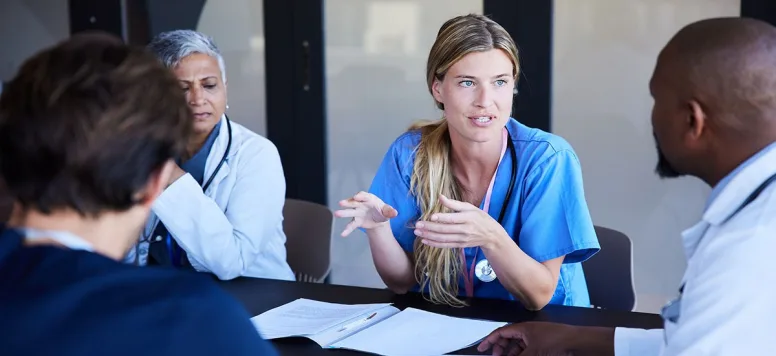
{"x":237,"y":26}
{"x":375,"y":60}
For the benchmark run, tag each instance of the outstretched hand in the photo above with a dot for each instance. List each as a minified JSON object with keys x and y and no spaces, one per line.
{"x":466,"y":226}
{"x":367,"y":211}
{"x":548,"y":339}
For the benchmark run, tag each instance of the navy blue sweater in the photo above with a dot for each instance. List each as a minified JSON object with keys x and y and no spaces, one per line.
{"x":57,"y":301}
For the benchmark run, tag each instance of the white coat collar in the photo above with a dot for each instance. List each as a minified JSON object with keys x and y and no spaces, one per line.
{"x":730,"y":199}
{"x":217,"y":153}
{"x":740,"y":187}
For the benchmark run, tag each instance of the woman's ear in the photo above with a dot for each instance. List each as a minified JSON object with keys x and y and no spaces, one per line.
{"x":436,"y":90}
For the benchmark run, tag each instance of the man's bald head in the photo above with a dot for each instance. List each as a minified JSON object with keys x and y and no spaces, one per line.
{"x":715,"y":95}
{"x":729,"y":66}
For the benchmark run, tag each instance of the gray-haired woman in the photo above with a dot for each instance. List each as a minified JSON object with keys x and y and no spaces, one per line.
{"x":222,"y":209}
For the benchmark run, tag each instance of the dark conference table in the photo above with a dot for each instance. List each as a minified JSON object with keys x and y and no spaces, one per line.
{"x":260,"y":295}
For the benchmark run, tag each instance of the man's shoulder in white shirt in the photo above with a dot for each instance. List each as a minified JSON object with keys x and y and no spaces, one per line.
{"x":729,"y":296}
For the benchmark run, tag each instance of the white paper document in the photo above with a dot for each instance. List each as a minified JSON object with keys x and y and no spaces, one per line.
{"x":375,"y":328}
{"x":418,"y":332}
{"x":305,"y":317}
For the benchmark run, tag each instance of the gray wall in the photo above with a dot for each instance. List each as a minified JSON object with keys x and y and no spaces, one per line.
{"x":27,"y":26}
{"x":605,"y":51}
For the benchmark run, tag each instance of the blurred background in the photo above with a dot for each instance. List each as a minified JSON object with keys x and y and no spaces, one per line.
{"x":333,"y":82}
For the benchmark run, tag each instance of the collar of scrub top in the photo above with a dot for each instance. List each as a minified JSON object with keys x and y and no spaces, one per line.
{"x":672,"y":311}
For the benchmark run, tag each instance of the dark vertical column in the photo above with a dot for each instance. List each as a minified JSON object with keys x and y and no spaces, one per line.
{"x":96,"y":15}
{"x":296,"y":112}
{"x":759,"y":9}
{"x":529,"y":22}
{"x":171,"y":15}
{"x":6,"y":204}
{"x":136,"y":21}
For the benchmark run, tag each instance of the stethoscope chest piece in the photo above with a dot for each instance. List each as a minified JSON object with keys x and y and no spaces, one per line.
{"x":484,"y":272}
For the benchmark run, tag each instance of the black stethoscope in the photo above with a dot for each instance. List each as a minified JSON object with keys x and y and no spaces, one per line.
{"x":512,"y":178}
{"x":482,"y":269}
{"x":174,"y":250}
{"x":672,"y":311}
{"x":223,"y":158}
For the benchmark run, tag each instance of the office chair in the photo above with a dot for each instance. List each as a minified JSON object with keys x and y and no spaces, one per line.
{"x":308,"y":227}
{"x":609,"y":273}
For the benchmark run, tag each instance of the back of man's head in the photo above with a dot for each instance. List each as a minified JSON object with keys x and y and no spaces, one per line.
{"x":86,"y":123}
{"x":729,"y":66}
{"x":714,"y":105}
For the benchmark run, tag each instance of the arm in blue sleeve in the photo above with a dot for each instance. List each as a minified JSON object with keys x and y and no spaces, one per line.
{"x":392,"y":185}
{"x":555,"y":218}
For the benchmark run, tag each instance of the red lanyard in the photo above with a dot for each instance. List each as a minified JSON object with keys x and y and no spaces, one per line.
{"x":469,"y":278}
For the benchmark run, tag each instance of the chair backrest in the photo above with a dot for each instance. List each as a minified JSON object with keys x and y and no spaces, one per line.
{"x":6,"y":204}
{"x":609,"y":273}
{"x":308,"y":227}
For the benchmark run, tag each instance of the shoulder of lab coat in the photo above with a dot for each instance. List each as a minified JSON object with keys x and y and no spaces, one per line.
{"x":727,"y":306}
{"x":235,"y":228}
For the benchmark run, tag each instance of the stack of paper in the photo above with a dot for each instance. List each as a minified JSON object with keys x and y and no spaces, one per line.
{"x":304,"y":317}
{"x":375,"y":328}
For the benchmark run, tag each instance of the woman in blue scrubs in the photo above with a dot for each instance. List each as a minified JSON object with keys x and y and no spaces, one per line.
{"x":477,"y":204}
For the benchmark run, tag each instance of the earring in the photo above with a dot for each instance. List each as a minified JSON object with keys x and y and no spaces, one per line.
{"x":227,"y":106}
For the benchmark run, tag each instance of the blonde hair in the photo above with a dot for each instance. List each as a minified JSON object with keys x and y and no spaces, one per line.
{"x":439,"y":268}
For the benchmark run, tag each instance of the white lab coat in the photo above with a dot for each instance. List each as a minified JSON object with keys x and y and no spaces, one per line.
{"x":729,"y":302}
{"x":236,"y":227}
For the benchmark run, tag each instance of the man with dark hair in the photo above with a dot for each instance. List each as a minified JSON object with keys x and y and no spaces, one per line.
{"x":714,"y":118}
{"x":88,"y":131}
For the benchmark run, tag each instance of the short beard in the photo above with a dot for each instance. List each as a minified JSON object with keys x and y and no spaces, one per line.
{"x":664,"y":169}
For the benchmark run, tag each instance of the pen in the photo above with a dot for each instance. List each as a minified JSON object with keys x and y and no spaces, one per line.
{"x":357,"y":322}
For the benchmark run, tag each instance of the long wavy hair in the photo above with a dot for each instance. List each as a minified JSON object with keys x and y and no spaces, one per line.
{"x":440,"y":268}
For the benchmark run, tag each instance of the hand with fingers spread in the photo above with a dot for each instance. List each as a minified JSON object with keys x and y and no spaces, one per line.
{"x":466,"y":226}
{"x":367,"y":211}
{"x":548,"y":339}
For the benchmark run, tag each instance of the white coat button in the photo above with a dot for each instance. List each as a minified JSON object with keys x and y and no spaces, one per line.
{"x":158,"y":238}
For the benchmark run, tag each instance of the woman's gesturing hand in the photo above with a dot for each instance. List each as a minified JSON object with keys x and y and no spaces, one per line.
{"x":367,"y":211}
{"x":466,"y":226}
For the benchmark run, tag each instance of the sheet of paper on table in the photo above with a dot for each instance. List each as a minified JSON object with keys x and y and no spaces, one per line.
{"x":376,"y":328}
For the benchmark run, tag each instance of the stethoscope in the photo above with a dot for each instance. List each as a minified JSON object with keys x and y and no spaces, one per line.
{"x":672,"y":311}
{"x":174,"y":250}
{"x":482,"y":269}
{"x":223,"y":158}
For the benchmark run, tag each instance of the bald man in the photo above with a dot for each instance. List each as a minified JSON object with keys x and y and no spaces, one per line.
{"x":714,"y":118}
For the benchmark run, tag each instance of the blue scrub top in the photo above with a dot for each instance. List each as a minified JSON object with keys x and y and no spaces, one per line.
{"x":547,"y":213}
{"x":196,"y":164}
